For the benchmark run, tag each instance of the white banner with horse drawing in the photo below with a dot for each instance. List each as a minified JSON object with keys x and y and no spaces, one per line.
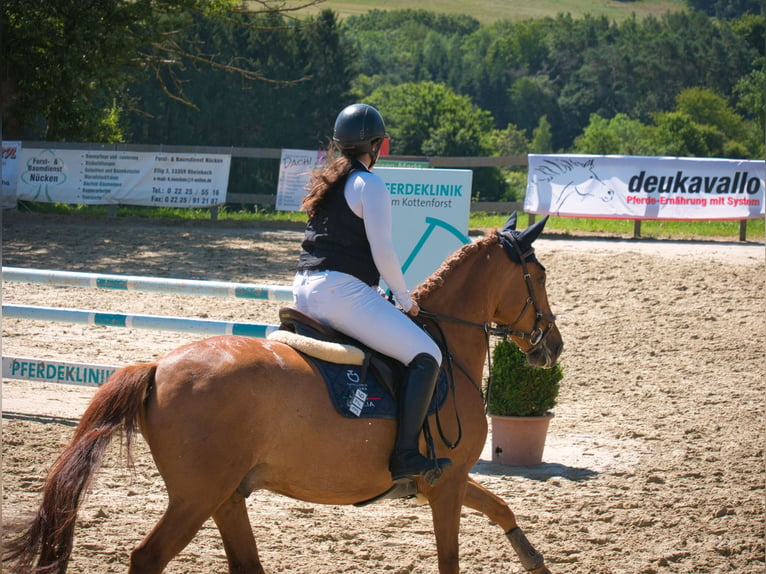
{"x":636,"y":187}
{"x":123,"y":177}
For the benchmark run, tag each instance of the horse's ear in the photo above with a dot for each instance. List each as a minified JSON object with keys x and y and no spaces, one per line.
{"x":510,"y":223}
{"x":533,"y":231}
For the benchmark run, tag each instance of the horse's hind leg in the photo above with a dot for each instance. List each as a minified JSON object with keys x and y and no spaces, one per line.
{"x":479,"y":498}
{"x":237,"y":534}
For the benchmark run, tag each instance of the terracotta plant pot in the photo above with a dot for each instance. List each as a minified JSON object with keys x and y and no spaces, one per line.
{"x":519,"y":441}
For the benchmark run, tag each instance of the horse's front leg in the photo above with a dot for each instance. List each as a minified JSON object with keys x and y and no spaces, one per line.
{"x":481,"y":499}
{"x":446,"y":501}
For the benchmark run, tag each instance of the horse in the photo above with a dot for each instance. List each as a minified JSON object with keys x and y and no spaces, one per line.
{"x":190,"y":403}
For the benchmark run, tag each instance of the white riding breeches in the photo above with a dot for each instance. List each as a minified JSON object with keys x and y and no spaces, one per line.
{"x":352,"y":307}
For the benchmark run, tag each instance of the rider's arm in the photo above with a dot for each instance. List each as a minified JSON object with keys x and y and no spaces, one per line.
{"x":374,"y":207}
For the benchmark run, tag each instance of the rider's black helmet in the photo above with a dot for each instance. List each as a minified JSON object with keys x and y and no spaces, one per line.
{"x":356,"y":127}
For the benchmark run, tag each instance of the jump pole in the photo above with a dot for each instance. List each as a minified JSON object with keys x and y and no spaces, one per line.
{"x":151,"y":284}
{"x":157,"y":322}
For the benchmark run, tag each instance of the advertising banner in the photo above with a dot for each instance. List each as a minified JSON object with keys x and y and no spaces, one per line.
{"x":11,"y":153}
{"x":430,"y":216}
{"x":295,"y":169}
{"x":637,"y":187}
{"x":123,"y":177}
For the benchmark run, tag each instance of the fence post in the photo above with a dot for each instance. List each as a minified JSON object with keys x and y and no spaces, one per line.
{"x":636,"y":228}
{"x":743,"y":229}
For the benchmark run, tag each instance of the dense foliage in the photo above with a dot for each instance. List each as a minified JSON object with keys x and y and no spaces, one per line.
{"x":561,"y":68}
{"x":199,"y":72}
{"x":516,"y":388}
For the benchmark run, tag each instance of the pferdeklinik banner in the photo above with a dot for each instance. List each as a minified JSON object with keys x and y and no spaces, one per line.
{"x":123,"y":177}
{"x":430,"y":209}
{"x":638,"y":187}
{"x":430,"y":216}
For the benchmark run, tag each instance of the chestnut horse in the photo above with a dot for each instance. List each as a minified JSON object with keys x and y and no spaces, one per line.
{"x":228,"y":415}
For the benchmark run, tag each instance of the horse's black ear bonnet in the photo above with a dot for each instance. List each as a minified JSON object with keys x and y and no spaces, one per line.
{"x":518,"y":244}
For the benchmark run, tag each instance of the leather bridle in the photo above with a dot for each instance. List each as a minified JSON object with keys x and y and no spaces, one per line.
{"x":538,"y":332}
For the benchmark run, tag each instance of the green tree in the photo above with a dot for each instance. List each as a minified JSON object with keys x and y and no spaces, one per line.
{"x":233,"y":111}
{"x":66,"y":65}
{"x":726,"y":9}
{"x":708,"y":108}
{"x":530,"y":99}
{"x":751,"y":94}
{"x":727,"y":134}
{"x":676,"y":134}
{"x":431,"y":119}
{"x":619,"y":135}
{"x":509,"y":142}
{"x":542,"y":137}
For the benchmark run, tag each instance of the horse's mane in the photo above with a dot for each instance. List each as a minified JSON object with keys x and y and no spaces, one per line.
{"x":441,"y":275}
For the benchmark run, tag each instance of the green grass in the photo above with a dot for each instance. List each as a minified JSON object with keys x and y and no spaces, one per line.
{"x":488,"y":11}
{"x":617,"y":228}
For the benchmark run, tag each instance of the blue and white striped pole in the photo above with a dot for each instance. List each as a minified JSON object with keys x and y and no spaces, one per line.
{"x":152,"y":284}
{"x":156,"y":322}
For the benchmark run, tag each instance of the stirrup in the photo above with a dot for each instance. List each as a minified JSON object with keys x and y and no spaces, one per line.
{"x":412,"y":464}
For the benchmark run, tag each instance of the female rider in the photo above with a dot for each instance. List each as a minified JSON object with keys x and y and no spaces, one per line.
{"x":346,"y":250}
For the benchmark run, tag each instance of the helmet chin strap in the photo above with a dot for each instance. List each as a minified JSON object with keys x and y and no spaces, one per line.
{"x":375,"y":152}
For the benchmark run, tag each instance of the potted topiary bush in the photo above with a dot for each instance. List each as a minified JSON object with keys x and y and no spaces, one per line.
{"x":519,"y":404}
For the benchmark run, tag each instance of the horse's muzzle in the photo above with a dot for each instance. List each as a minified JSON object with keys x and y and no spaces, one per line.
{"x":547,"y":352}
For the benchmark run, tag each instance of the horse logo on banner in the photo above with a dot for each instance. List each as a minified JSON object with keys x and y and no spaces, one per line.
{"x":572,"y":182}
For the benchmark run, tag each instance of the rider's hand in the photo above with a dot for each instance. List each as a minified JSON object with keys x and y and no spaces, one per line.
{"x":414,"y":310}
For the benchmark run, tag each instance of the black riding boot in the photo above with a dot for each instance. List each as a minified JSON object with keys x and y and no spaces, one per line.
{"x":406,"y":460}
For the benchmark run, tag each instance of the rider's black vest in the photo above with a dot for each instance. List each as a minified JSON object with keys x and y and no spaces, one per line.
{"x":335,"y":239}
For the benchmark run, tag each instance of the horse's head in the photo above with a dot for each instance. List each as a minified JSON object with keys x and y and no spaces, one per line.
{"x":527,"y":320}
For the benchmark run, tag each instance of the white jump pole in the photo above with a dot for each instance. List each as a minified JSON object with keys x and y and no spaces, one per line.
{"x":156,"y":322}
{"x":152,"y":284}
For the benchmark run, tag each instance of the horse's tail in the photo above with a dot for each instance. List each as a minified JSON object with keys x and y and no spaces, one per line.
{"x":49,"y":536}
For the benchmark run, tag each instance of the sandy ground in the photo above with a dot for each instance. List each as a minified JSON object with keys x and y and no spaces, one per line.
{"x":654,"y":461}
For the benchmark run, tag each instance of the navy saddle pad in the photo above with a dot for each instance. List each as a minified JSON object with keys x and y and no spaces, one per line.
{"x":358,"y":391}
{"x":369,"y":398}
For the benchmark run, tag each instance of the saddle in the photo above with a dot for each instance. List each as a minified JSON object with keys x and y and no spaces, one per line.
{"x":362,"y":382}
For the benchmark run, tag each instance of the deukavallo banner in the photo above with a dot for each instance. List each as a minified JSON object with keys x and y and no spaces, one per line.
{"x":638,"y":187}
